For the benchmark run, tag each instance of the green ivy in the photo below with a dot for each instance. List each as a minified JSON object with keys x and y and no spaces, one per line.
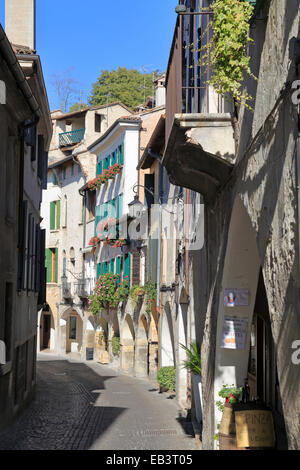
{"x":135,"y":291}
{"x":150,"y":294}
{"x":227,"y":49}
{"x":115,"y":344}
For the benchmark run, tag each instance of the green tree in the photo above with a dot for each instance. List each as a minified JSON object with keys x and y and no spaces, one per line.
{"x":126,"y":85}
{"x":78,"y":106}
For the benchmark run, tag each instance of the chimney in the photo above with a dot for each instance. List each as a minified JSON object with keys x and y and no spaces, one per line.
{"x":160,"y":91}
{"x":20,"y":22}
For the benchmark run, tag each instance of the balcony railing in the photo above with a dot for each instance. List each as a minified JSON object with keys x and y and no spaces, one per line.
{"x":84,"y":287}
{"x":187,"y":88}
{"x":70,"y":138}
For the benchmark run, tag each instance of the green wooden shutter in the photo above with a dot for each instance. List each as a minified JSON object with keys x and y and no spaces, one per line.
{"x":98,"y":270}
{"x":120,"y":204}
{"x":127,"y":267}
{"x":112,"y":266}
{"x":99,"y":168}
{"x":118,"y":267}
{"x":105,"y":270}
{"x":48,"y":264}
{"x":121,"y":154}
{"x":56,"y":265}
{"x":52,"y":215}
{"x":58,"y":214}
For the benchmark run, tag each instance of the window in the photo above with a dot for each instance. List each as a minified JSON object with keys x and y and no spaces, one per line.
{"x":79,"y":170}
{"x":54,"y":215}
{"x":64,"y":172}
{"x":99,"y":168}
{"x":52,"y":264}
{"x":121,"y":154}
{"x":72,"y":169}
{"x":72,"y":328}
{"x":97,"y":123}
{"x":107,"y":162}
{"x":91,"y":204}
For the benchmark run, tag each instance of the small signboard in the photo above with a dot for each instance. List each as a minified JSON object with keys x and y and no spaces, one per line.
{"x":254,"y":428}
{"x":236,"y":297}
{"x":89,"y":354}
{"x":234,"y":333}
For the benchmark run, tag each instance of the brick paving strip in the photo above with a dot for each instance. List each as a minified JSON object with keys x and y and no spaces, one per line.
{"x":82,"y":406}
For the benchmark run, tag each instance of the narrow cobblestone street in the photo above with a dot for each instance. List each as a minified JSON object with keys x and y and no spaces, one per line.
{"x":89,"y":406}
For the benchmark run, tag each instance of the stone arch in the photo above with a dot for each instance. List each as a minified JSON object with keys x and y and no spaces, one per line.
{"x":141,"y":347}
{"x":71,"y":331}
{"x":127,"y":345}
{"x":167,"y":344}
{"x":46,"y":330}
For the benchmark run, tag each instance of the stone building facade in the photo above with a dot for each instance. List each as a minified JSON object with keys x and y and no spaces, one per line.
{"x":245,"y":166}
{"x":25,"y":138}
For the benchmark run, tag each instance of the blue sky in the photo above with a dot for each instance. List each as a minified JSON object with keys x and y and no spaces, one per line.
{"x":84,"y":37}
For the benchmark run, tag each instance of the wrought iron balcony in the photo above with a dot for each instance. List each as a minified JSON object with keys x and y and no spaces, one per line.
{"x":84,"y":287}
{"x":66,"y":288}
{"x":70,"y":138}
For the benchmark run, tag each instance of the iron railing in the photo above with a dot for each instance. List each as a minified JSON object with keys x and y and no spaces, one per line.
{"x":72,"y":137}
{"x":187,"y":89}
{"x":84,"y":287}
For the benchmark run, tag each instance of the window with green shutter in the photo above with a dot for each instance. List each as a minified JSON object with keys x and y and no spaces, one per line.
{"x":98,"y":270}
{"x":112,"y":266}
{"x":48,"y":260}
{"x":114,"y":157}
{"x":58,"y":214}
{"x":121,"y":154}
{"x":54,"y":215}
{"x":127,"y":267}
{"x":99,"y":168}
{"x":105,"y":270}
{"x":55,"y":264}
{"x":119,"y":208}
{"x":118,"y":267}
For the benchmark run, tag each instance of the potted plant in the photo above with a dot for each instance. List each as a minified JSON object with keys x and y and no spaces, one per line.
{"x":193,"y":365}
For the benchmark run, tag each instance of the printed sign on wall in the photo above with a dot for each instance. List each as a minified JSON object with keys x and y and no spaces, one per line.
{"x":236,"y":297}
{"x":234,"y":333}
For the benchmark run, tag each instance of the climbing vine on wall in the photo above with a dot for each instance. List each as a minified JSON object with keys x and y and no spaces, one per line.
{"x":227,"y":50}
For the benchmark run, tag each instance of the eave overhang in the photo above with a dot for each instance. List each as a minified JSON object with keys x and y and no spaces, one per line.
{"x":200,"y":152}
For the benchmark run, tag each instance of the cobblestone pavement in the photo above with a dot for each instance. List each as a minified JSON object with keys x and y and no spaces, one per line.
{"x":89,"y":406}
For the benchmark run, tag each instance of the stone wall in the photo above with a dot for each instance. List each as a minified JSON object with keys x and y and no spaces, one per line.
{"x":265,"y":180}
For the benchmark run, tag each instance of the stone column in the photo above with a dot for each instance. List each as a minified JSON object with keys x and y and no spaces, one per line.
{"x":141,"y":358}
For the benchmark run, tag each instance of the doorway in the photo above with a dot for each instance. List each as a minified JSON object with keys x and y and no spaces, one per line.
{"x":262,"y":366}
{"x":46,"y":331}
